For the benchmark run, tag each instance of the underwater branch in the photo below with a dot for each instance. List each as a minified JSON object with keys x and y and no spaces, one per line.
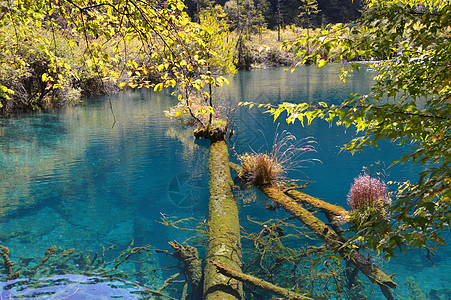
{"x":193,"y":265}
{"x":8,"y":263}
{"x":259,"y":283}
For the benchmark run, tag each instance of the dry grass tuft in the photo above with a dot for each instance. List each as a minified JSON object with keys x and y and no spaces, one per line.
{"x":259,"y":169}
{"x":272,"y":168}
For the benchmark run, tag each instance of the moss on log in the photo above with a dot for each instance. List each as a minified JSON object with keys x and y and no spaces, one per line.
{"x":212,"y":133}
{"x":315,"y":202}
{"x":193,"y":266}
{"x":259,"y":283}
{"x":305,"y":198}
{"x":224,"y":244}
{"x":332,"y":239}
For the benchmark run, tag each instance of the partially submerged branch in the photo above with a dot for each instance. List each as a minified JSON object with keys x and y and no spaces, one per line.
{"x":324,"y":232}
{"x":305,"y":198}
{"x":332,"y":239}
{"x":259,"y":283}
{"x":193,"y":266}
{"x":315,"y":202}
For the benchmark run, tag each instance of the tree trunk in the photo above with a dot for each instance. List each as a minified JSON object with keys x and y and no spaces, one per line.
{"x":315,"y":202}
{"x":332,"y":239}
{"x":224,"y":244}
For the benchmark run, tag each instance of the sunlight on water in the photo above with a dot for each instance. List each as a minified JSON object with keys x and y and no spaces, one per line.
{"x":73,"y":180}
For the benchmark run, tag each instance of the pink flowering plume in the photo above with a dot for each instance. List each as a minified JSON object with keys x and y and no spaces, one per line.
{"x":367,"y":190}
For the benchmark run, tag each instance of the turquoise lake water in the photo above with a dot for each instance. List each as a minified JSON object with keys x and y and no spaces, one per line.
{"x":72,"y":179}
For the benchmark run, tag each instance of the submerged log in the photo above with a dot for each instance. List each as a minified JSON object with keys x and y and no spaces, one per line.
{"x":193,"y":266}
{"x":259,"y":283}
{"x":8,"y":264}
{"x":224,"y":244}
{"x":332,"y":239}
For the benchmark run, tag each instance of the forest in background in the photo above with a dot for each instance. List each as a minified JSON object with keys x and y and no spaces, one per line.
{"x":272,"y":13}
{"x":38,"y":41}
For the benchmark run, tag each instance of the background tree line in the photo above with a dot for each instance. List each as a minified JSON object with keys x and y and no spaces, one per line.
{"x":255,"y":14}
{"x":56,"y":53}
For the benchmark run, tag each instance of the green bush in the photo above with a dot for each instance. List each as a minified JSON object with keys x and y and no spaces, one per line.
{"x":46,"y":74}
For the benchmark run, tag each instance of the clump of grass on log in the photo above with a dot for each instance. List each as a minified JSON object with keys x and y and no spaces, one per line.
{"x":259,"y":169}
{"x":271,"y":168}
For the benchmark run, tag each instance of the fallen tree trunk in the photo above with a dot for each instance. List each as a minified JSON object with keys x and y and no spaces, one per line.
{"x":315,"y":202}
{"x":332,"y":239}
{"x":259,"y":283}
{"x":307,"y":199}
{"x":224,"y":244}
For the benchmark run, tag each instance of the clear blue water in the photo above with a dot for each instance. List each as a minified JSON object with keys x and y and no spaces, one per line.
{"x":73,"y":180}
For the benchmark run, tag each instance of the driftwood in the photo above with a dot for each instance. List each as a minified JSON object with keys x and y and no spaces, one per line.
{"x":193,"y":266}
{"x":332,"y":239}
{"x":224,"y":244}
{"x":259,"y":283}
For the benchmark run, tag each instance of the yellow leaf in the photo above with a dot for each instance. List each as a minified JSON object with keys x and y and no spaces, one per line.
{"x":158,"y":87}
{"x":322,"y":62}
{"x":180,"y":5}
